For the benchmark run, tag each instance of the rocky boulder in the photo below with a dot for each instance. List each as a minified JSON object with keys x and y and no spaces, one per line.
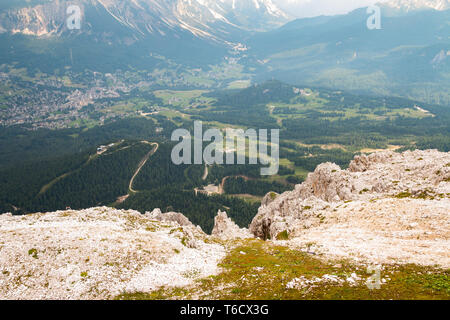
{"x":269,"y":198}
{"x":176,"y":217}
{"x":226,"y":229}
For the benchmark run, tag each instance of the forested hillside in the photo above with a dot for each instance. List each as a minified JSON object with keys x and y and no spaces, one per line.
{"x":45,"y":170}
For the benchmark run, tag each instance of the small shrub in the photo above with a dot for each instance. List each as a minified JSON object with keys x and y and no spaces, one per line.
{"x":33,"y":252}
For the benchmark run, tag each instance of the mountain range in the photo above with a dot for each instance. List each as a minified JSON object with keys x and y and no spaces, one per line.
{"x":409,"y":55}
{"x":414,"y":5}
{"x":215,"y":20}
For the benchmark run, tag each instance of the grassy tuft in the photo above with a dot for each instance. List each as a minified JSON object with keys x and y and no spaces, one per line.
{"x":265,"y":270}
{"x":34,"y":253}
{"x":284,"y":235}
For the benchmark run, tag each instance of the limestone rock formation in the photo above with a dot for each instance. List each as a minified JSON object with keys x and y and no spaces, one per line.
{"x":226,"y":229}
{"x":269,"y":198}
{"x":379,"y":197}
{"x":176,"y":217}
{"x":99,"y":253}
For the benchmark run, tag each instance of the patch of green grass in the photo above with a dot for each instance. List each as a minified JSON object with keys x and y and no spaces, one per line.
{"x":161,"y":294}
{"x":263,"y":272}
{"x":425,"y":194}
{"x":403,"y":195}
{"x":34,"y":253}
{"x":239,"y":84}
{"x":283,"y":235}
{"x":436,"y":282}
{"x":279,"y":265}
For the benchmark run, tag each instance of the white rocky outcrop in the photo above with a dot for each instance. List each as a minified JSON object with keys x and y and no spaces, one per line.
{"x":226,"y":229}
{"x":176,"y":217}
{"x":99,"y":253}
{"x":269,"y":198}
{"x":387,"y":207}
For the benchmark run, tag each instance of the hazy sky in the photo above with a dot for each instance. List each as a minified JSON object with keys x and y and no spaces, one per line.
{"x":310,"y":8}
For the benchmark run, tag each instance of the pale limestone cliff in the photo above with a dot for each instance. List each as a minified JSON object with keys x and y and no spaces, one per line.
{"x":387,"y":207}
{"x":226,"y":229}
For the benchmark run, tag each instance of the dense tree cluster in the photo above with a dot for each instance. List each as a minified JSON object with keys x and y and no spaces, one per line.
{"x":79,"y":181}
{"x":239,"y":185}
{"x":20,"y":144}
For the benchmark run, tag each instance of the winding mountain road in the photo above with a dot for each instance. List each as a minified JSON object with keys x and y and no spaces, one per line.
{"x":142,"y":163}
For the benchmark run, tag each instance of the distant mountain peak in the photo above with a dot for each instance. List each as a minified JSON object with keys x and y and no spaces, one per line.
{"x":214,"y":19}
{"x":413,"y":5}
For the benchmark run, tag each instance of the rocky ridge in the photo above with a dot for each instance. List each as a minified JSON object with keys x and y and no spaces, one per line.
{"x":385,"y":208}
